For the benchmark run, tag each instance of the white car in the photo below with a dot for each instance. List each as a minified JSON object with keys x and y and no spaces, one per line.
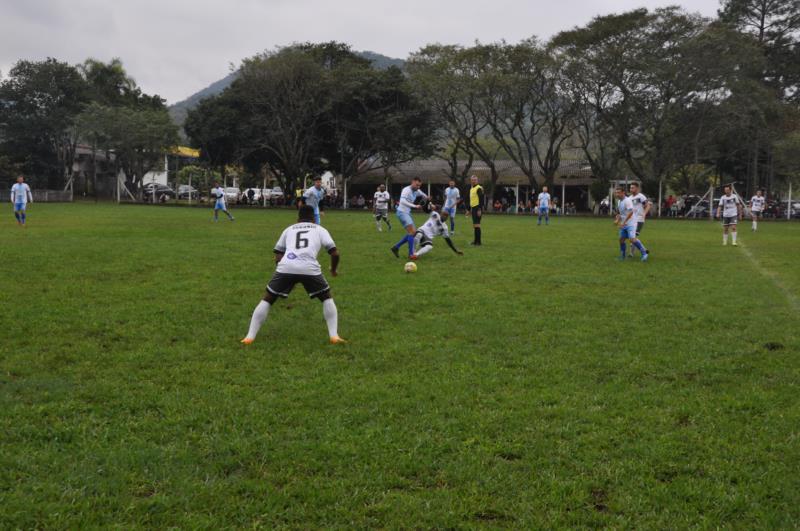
{"x":232,"y":195}
{"x":257,"y":195}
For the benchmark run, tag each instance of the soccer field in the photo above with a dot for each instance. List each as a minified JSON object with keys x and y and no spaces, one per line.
{"x":535,"y":382}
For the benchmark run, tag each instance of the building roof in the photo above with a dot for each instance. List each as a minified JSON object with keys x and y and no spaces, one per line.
{"x":437,"y":171}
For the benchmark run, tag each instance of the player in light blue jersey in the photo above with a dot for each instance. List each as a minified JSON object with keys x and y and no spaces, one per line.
{"x":218,"y":193}
{"x":408,"y":198}
{"x":451,"y":198}
{"x":543,"y":206}
{"x":314,"y":196}
{"x":626,"y":221}
{"x":20,"y":197}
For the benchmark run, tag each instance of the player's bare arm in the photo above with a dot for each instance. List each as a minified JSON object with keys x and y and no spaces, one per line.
{"x":334,"y":261}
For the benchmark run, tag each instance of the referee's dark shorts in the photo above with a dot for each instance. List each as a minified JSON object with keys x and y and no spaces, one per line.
{"x":477,"y":214}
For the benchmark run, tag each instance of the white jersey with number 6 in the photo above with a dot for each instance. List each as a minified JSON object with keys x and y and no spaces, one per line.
{"x":300,"y":244}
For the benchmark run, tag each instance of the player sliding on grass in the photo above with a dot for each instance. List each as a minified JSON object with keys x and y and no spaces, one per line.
{"x":435,"y":226}
{"x":296,"y":256}
{"x":408,"y":199}
{"x":20,"y":197}
{"x":219,"y":193}
{"x":731,"y":211}
{"x":626,"y":221}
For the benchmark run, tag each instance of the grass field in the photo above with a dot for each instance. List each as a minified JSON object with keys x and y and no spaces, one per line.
{"x":535,"y":382}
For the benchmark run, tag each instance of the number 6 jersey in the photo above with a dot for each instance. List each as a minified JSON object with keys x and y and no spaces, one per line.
{"x":300,"y":244}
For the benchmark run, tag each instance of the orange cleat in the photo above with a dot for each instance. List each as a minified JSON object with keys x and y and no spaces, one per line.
{"x":412,"y":257}
{"x":247,"y":341}
{"x":336,"y":340}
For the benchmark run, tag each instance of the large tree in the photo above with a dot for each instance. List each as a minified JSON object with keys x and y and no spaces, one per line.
{"x":39,"y":102}
{"x":308,"y":108}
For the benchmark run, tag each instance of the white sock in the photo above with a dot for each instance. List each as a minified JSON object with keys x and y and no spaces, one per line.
{"x":331,"y":317}
{"x":378,"y":224}
{"x":724,"y":238}
{"x":259,"y":316}
{"x":733,"y":235}
{"x":755,"y":224}
{"x":424,"y":249}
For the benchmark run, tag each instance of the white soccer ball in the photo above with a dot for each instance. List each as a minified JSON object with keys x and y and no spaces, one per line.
{"x":410,"y":267}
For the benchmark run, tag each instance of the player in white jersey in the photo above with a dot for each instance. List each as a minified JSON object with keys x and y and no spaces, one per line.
{"x":296,"y":256}
{"x":220,"y":203}
{"x":626,"y":221}
{"x":757,"y":203}
{"x":543,"y":206}
{"x":314,"y":196}
{"x":381,"y":207}
{"x":435,"y":226}
{"x":408,"y":198}
{"x":452,"y":196}
{"x":731,"y":210}
{"x":20,"y":197}
{"x":641,"y":207}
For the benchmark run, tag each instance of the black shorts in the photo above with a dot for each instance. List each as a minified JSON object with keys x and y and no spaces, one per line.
{"x":423,"y":239}
{"x":639,"y":227}
{"x":730,"y":220}
{"x":381,"y":214}
{"x":477,"y":213}
{"x":281,"y":284}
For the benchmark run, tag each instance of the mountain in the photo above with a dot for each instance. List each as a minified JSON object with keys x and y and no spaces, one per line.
{"x":178,"y":111}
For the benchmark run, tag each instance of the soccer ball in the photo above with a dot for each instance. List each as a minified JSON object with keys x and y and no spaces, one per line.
{"x":410,"y":267}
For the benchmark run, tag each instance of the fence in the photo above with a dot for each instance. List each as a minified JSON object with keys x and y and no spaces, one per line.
{"x":43,"y":196}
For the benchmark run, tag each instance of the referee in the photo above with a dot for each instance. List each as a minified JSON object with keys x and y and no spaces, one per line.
{"x":476,"y":198}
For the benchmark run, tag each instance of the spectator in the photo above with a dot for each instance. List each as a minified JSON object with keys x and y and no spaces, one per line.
{"x":250,"y":195}
{"x":497,"y":206}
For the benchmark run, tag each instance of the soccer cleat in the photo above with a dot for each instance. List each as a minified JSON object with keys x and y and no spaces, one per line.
{"x":412,"y":257}
{"x":395,"y":253}
{"x":645,"y":256}
{"x":247,"y":341}
{"x":735,"y":244}
{"x":621,"y":258}
{"x":336,"y":340}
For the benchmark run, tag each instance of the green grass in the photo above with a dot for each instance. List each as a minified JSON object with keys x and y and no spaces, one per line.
{"x":533,"y":383}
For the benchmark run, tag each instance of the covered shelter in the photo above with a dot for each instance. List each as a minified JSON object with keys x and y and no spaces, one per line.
{"x":570,"y":185}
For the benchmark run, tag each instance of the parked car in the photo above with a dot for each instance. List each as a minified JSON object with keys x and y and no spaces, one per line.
{"x":161,"y":191}
{"x":795,"y":206}
{"x":258,"y":193}
{"x":188,"y":192}
{"x":232,"y":194}
{"x":275,"y":193}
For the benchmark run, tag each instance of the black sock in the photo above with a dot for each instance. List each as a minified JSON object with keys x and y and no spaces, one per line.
{"x":478,"y":235}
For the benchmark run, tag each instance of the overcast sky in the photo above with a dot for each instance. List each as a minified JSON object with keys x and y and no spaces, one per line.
{"x":177,"y":47}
